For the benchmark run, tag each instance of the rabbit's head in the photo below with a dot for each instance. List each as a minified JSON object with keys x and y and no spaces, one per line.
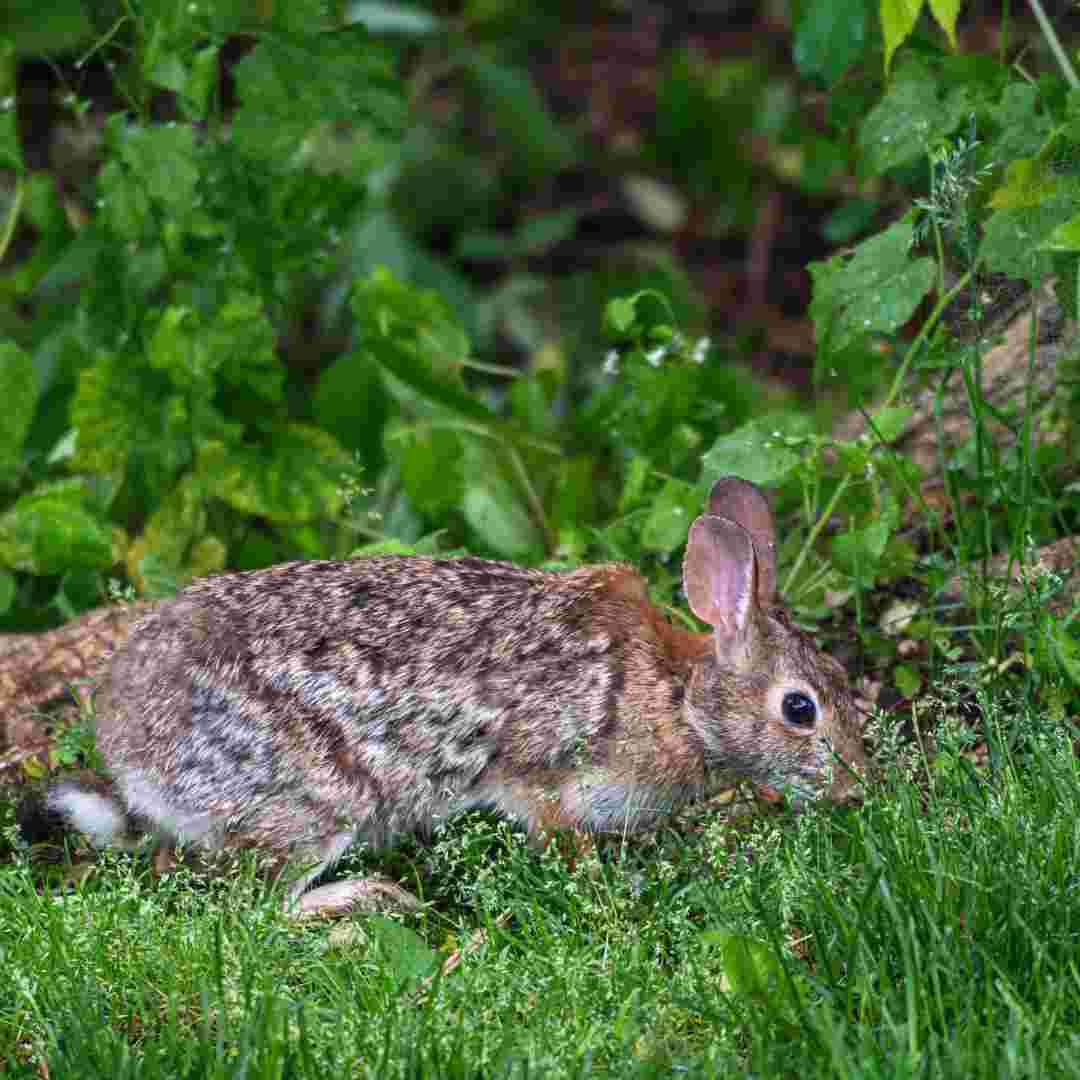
{"x":764,"y":700}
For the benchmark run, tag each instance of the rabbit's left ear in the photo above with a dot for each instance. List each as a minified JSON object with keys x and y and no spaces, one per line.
{"x":744,"y":503}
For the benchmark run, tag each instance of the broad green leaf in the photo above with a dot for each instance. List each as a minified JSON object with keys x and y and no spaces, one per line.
{"x":239,"y":343}
{"x":290,"y":85}
{"x":495,"y":507}
{"x":1017,"y":242}
{"x":859,"y":551}
{"x":897,"y":21}
{"x":51,"y":533}
{"x":18,"y":392}
{"x":404,"y":953}
{"x":1065,"y":237}
{"x":412,"y":334}
{"x":179,"y":520}
{"x":875,"y":291}
{"x":891,"y":423}
{"x":295,"y":477}
{"x":752,"y":967}
{"x":830,"y":36}
{"x":669,"y":518}
{"x":920,"y":107}
{"x":150,"y":176}
{"x":908,"y":680}
{"x":429,"y":460}
{"x":236,"y":345}
{"x":351,"y":403}
{"x":125,"y":414}
{"x":1028,"y":182}
{"x":1023,"y":127}
{"x":620,"y":315}
{"x":757,"y":452}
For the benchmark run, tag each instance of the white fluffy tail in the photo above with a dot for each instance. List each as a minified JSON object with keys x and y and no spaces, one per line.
{"x":102,"y":817}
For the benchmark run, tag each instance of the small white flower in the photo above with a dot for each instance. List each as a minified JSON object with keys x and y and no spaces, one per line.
{"x":656,"y":355}
{"x":701,"y":350}
{"x":611,"y":362}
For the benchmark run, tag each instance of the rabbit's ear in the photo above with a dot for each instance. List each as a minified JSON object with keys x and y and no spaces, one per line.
{"x":719,"y":577}
{"x":745,"y":504}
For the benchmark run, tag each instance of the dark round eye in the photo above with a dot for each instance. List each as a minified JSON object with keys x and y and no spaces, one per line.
{"x":799,"y":710}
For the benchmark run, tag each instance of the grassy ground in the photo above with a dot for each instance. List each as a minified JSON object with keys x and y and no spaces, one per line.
{"x":932,"y":932}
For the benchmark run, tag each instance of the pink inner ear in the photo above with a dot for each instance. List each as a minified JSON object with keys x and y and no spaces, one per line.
{"x":744,"y":503}
{"x":718,"y":574}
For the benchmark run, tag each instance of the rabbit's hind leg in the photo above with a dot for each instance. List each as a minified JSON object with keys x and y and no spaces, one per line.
{"x":343,"y":897}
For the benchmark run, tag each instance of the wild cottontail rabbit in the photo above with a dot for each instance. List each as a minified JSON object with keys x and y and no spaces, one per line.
{"x":302,"y":707}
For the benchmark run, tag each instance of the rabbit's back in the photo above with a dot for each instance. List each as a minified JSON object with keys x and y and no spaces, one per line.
{"x":284,"y":705}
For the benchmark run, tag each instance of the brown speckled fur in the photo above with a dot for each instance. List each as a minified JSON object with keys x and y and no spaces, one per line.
{"x":299,"y":707}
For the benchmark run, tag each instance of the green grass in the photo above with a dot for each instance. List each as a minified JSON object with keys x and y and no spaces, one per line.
{"x":932,"y":932}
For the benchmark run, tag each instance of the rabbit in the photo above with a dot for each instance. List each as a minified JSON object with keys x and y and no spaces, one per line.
{"x":300,"y":708}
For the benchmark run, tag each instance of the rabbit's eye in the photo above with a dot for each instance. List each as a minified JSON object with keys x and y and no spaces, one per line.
{"x":799,"y":710}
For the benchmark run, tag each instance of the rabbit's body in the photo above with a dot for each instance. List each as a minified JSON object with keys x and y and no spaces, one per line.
{"x":299,"y":708}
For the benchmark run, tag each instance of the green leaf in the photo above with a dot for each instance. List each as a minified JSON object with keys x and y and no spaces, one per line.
{"x":917,"y":111}
{"x":670,"y":516}
{"x":859,"y":551}
{"x":385,"y":547}
{"x":294,"y":478}
{"x":429,"y":459}
{"x":18,"y":392}
{"x":1065,"y":237}
{"x":897,"y":21}
{"x":495,"y":508}
{"x":908,"y":680}
{"x":127,"y":414}
{"x":7,"y":591}
{"x":946,"y":12}
{"x":404,"y":953}
{"x":891,"y":423}
{"x":51,"y":533}
{"x":202,"y":80}
{"x":634,"y":485}
{"x":412,"y":334}
{"x":237,"y":344}
{"x":757,"y":452}
{"x":830,"y":36}
{"x":1067,"y":650}
{"x":620,"y":315}
{"x":160,"y":552}
{"x":1028,"y":182}
{"x":351,"y":403}
{"x":874,"y":291}
{"x":291,"y":85}
{"x":1018,"y":242}
{"x":151,"y":175}
{"x":752,"y":967}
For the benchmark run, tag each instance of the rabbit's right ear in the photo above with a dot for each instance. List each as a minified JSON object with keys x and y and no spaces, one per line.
{"x":744,"y":503}
{"x":719,"y":578}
